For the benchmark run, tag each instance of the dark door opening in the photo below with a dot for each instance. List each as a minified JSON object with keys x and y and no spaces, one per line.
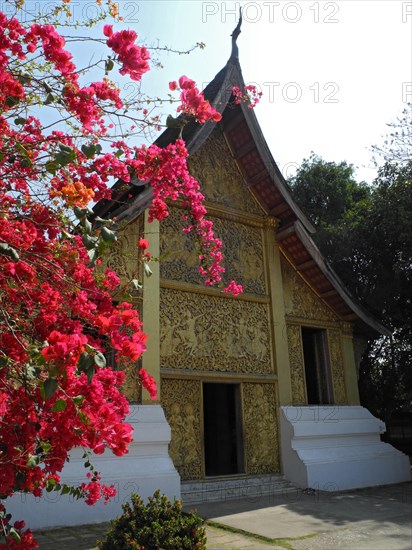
{"x":222,"y":429}
{"x":318,"y":383}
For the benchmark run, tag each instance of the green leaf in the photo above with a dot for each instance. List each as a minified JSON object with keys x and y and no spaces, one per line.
{"x":19,"y":120}
{"x":100,"y":360}
{"x":66,"y":155}
{"x":79,"y":212}
{"x":23,"y":152}
{"x":33,"y":461}
{"x":12,"y":101}
{"x":24,"y":78}
{"x":65,"y":490}
{"x":89,"y":373}
{"x":25,"y":162}
{"x":85,"y":361}
{"x":46,"y":446}
{"x":52,"y":167}
{"x":13,"y":533}
{"x":109,"y":65}
{"x":89,"y":150}
{"x":108,"y":234}
{"x":65,"y":148}
{"x":47,"y":87}
{"x":9,"y":251}
{"x":86,"y":365}
{"x":93,"y":255}
{"x":50,"y":386}
{"x":88,"y":226}
{"x":49,"y":99}
{"x":60,"y":405}
{"x":78,"y":400}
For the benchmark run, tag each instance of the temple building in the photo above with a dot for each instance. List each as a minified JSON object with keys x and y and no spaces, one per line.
{"x":259,"y":390}
{"x":264,"y":384}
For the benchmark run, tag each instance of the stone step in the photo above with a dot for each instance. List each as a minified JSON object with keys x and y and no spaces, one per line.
{"x":234,"y":488}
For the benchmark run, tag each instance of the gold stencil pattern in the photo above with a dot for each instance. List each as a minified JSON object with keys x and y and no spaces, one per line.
{"x":208,"y":333}
{"x":219,"y":177}
{"x":260,"y":428}
{"x":297,"y":368}
{"x":242,"y":253}
{"x":123,"y":254}
{"x":181,"y":400}
{"x":300,"y":300}
{"x":337,"y":366}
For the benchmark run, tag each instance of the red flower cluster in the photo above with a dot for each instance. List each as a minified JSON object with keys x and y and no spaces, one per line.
{"x":11,"y":543}
{"x":94,"y":491}
{"x":134,"y":58}
{"x":250,"y":94}
{"x":234,"y":288}
{"x":143,"y":244}
{"x":194,"y":102}
{"x":149,"y":383}
{"x":167,"y":172}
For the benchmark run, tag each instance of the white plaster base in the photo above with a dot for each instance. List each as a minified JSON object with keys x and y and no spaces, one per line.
{"x":333,"y":448}
{"x":145,"y":468}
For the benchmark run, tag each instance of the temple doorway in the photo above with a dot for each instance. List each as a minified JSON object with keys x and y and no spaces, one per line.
{"x":317,"y":371}
{"x":222,"y":429}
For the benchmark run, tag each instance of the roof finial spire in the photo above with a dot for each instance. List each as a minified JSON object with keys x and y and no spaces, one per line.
{"x":235,"y":34}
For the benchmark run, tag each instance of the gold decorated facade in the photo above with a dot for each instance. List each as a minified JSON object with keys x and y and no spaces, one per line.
{"x":207,"y":337}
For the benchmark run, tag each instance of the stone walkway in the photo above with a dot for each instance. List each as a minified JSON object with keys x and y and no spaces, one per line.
{"x":85,"y":537}
{"x":377,"y":518}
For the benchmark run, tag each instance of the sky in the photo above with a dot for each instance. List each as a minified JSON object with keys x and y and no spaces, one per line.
{"x":333,"y":74}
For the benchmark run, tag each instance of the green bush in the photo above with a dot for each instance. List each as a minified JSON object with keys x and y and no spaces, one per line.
{"x":159,"y":524}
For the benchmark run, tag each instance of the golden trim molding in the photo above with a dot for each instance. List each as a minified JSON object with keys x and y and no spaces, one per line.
{"x":347,"y":328}
{"x":314,"y":323}
{"x":198,"y":289}
{"x":225,"y":213}
{"x":230,"y":377}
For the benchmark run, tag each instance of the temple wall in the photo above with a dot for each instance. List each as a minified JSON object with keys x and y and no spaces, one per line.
{"x":303,"y":308}
{"x":200,"y":335}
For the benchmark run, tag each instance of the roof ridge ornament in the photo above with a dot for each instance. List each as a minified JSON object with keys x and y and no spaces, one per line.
{"x":234,"y":35}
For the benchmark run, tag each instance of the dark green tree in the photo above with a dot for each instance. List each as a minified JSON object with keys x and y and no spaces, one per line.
{"x":327,"y":190}
{"x":366,"y":235}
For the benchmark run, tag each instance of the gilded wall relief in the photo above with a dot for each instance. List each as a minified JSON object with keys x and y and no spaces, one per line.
{"x":242,"y":252}
{"x":181,"y":400}
{"x":297,"y":367}
{"x":207,"y":333}
{"x":261,"y":441}
{"x":219,"y":177}
{"x":123,"y":254}
{"x":300,"y":300}
{"x":122,"y":257}
{"x":131,"y":387}
{"x":337,"y":366}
